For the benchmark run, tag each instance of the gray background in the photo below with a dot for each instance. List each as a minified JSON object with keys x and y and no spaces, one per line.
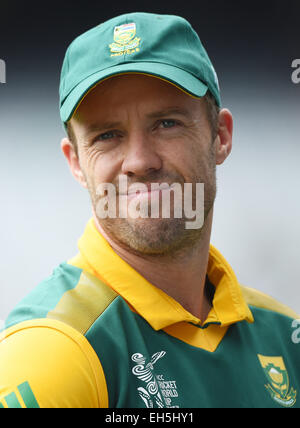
{"x":257,"y":212}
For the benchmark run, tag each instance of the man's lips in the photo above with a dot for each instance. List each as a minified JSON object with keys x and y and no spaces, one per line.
{"x":147,"y":190}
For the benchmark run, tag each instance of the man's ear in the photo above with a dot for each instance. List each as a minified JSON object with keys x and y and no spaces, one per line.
{"x":73,"y":161}
{"x":224,"y":137}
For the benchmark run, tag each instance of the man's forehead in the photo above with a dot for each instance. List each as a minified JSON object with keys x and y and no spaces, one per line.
{"x":134,"y":88}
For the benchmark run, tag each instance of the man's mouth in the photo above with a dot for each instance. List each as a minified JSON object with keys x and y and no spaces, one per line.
{"x":147,"y":190}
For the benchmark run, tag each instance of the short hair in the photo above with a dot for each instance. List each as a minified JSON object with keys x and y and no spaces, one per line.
{"x":71,"y":136}
{"x":212,"y":110}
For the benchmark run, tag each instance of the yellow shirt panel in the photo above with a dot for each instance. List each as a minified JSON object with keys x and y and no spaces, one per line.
{"x":58,"y":363}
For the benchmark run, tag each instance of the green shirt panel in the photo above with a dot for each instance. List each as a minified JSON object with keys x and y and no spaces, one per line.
{"x":148,"y":368}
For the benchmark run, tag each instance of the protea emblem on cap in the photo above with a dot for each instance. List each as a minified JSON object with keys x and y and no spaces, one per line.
{"x":125,"y":40}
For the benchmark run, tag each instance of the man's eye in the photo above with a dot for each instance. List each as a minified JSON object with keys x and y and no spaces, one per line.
{"x":168,"y":123}
{"x":106,"y":136}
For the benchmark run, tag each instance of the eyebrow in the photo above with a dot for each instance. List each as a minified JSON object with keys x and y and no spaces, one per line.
{"x":170,"y":111}
{"x":98,"y":127}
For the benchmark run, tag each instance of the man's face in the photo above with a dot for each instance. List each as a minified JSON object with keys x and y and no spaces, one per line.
{"x":151,"y":132}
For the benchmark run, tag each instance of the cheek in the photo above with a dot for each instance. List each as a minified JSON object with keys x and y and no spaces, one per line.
{"x":191,"y":158}
{"x":101,"y":168}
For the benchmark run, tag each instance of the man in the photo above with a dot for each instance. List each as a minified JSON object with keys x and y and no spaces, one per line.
{"x":149,"y":313}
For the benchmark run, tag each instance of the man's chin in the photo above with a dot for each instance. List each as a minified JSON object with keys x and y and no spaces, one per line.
{"x":150,"y":236}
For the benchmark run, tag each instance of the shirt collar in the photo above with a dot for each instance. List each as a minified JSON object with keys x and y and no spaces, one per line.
{"x":155,"y":306}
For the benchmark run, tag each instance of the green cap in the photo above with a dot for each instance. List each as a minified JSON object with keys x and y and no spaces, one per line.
{"x":164,"y":46}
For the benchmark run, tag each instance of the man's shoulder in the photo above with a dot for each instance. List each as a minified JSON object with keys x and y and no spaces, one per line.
{"x":47,"y":329}
{"x":257,"y":299}
{"x":70,"y":295}
{"x":45,"y":296}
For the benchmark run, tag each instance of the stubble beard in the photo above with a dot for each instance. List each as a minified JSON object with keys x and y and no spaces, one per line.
{"x":166,"y":237}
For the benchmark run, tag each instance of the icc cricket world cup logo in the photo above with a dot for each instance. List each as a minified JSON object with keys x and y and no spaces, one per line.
{"x":156,"y":392}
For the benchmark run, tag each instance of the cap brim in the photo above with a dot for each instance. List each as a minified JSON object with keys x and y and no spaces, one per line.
{"x":174,"y":75}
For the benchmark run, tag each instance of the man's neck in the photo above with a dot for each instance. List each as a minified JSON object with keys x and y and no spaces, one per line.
{"x":183,"y":278}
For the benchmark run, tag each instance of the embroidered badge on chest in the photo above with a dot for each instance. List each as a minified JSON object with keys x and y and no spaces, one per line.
{"x":278,"y":380}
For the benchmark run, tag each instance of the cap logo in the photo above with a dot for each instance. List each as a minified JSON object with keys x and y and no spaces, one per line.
{"x":125,"y":40}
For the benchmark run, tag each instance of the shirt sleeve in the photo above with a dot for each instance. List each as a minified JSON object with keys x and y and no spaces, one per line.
{"x":47,"y":364}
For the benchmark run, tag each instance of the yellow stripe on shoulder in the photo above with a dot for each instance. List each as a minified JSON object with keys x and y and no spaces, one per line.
{"x":260,"y":300}
{"x":81,"y":306}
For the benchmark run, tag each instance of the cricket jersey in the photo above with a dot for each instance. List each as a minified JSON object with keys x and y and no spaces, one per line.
{"x":96,"y":334}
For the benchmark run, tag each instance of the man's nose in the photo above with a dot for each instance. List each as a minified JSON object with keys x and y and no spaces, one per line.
{"x":141,"y":156}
